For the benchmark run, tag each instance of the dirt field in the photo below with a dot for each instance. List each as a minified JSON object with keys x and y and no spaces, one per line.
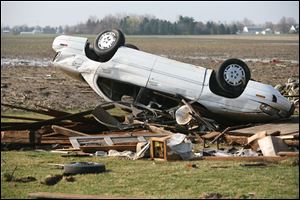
{"x":271,"y":59}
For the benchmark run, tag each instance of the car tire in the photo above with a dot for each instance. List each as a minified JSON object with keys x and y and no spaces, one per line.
{"x":131,"y":46}
{"x":83,"y":168}
{"x":107,"y":43}
{"x":233,"y":76}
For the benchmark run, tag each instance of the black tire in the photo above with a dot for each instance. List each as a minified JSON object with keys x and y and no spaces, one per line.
{"x":83,"y":168}
{"x":233,"y":76}
{"x":131,"y":46}
{"x":107,"y":43}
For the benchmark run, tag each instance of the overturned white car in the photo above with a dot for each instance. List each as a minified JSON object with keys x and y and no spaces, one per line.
{"x":114,"y":69}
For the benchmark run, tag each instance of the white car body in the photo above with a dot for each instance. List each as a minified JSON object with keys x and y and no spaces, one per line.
{"x":169,"y":76}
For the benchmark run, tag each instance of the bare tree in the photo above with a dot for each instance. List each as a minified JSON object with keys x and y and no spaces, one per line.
{"x":283,"y":25}
{"x":269,"y":25}
{"x":247,"y":22}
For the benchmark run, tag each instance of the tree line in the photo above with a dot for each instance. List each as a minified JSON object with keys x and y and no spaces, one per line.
{"x":150,"y":25}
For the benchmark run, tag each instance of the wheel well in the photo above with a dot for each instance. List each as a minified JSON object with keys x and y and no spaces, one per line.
{"x":89,"y":51}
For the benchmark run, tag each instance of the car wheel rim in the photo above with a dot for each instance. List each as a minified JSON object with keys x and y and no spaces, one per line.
{"x":234,"y":75}
{"x":107,"y":40}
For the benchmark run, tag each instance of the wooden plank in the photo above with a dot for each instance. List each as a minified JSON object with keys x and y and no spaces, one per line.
{"x":288,"y":137}
{"x":271,"y":145}
{"x":52,"y":112}
{"x":210,"y":135}
{"x":108,"y":140}
{"x":288,"y":154}
{"x":94,"y":148}
{"x":233,"y":139}
{"x":43,"y":112}
{"x":37,"y":125}
{"x":141,"y":139}
{"x":64,"y":142}
{"x":67,"y":132}
{"x":21,"y":137}
{"x":243,"y":158}
{"x":285,"y":127}
{"x":21,"y":118}
{"x":75,"y":144}
{"x":292,"y":142}
{"x":51,"y":195}
{"x":257,"y":136}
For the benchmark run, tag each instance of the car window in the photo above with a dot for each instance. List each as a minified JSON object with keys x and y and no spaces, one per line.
{"x":115,"y":90}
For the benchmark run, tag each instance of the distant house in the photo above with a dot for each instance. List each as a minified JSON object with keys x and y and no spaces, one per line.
{"x":27,"y":33}
{"x":34,"y":32}
{"x":256,"y":31}
{"x":268,"y":31}
{"x":293,"y":29}
{"x":6,"y":31}
{"x":252,"y":30}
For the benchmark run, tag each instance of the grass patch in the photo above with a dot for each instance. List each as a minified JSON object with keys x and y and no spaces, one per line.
{"x":151,"y":179}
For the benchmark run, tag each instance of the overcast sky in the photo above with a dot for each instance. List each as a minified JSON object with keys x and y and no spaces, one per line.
{"x":57,"y":13}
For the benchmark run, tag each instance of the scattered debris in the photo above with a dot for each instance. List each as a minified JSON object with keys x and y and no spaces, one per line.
{"x":26,"y":179}
{"x":52,"y":179}
{"x":211,"y":196}
{"x":149,"y":133}
{"x":69,"y":178}
{"x":291,"y":91}
{"x":192,"y":166}
{"x":126,"y":154}
{"x":258,"y":164}
{"x":271,"y":145}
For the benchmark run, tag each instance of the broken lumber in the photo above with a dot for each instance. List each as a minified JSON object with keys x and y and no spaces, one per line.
{"x":21,"y":118}
{"x":294,"y":143}
{"x":37,"y":125}
{"x":233,"y":139}
{"x":67,"y":132}
{"x":49,"y":112}
{"x":243,"y":158}
{"x":288,"y":153}
{"x":94,"y":148}
{"x":286,"y":126}
{"x":226,"y":130}
{"x":20,"y":137}
{"x":271,"y":145}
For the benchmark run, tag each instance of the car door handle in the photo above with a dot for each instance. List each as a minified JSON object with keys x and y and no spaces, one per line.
{"x":153,"y":83}
{"x":106,"y":71}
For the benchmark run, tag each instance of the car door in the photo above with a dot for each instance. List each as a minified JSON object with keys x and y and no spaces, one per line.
{"x":175,"y":77}
{"x":129,"y":66}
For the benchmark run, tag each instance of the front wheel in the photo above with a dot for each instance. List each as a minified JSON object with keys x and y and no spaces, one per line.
{"x":233,"y":76}
{"x":107,"y":43}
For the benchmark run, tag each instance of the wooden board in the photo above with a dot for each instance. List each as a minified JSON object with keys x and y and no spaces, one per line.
{"x":285,"y":127}
{"x":93,"y":148}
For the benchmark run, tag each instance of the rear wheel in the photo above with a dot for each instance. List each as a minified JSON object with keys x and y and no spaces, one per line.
{"x":107,"y":43}
{"x":233,"y":76}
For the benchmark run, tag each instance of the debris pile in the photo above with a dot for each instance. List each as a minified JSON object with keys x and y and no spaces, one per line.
{"x":291,"y":91}
{"x":144,"y":132}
